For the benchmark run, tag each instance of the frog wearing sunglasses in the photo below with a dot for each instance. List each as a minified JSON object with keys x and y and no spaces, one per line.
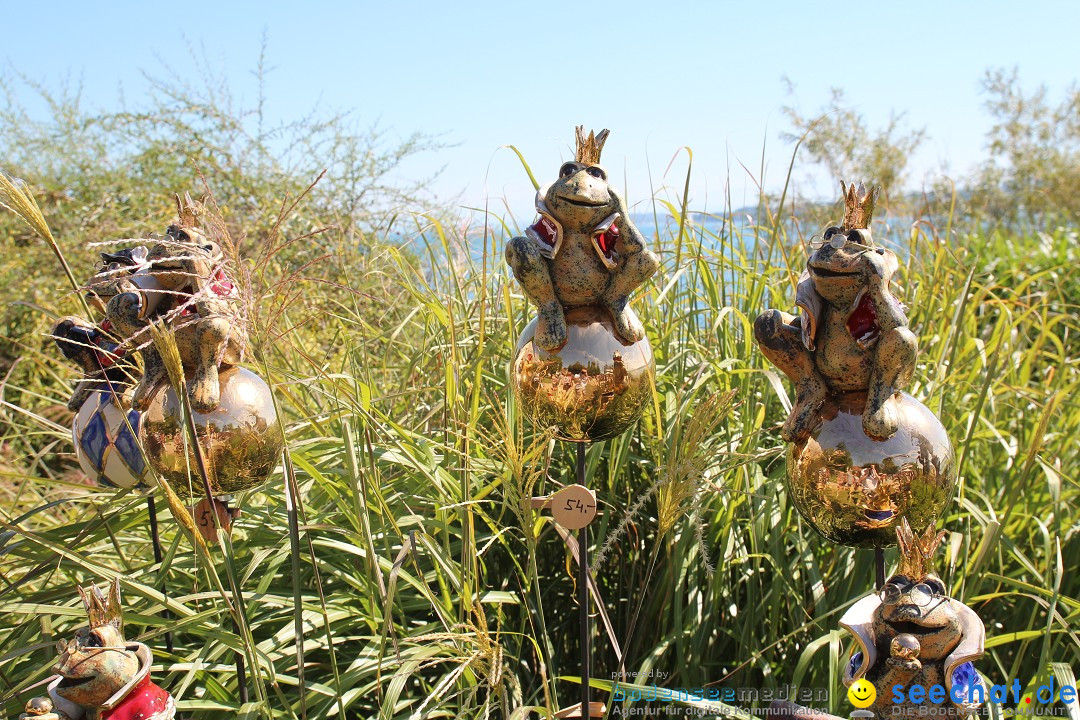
{"x":851,"y":335}
{"x":582,"y":250}
{"x":102,"y":676}
{"x":912,"y":633}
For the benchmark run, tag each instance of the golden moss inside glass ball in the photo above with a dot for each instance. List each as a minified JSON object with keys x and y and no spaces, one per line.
{"x":854,"y":489}
{"x":240,"y":438}
{"x":593,"y":388}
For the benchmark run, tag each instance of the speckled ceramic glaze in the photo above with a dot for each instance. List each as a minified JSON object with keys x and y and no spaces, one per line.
{"x":912,"y":633}
{"x":582,"y":250}
{"x":100,"y":675}
{"x":862,"y":454}
{"x":184,"y":283}
{"x":852,"y":333}
{"x":583,"y":366}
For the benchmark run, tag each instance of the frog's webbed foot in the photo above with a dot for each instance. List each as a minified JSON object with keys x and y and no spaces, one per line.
{"x":532,"y":271}
{"x":810,"y":394}
{"x":550,"y":326}
{"x":626,"y":320}
{"x":210,"y":336}
{"x":895,"y":361}
{"x":881,"y":420}
{"x":82,"y":393}
{"x":779,"y":335}
{"x":204,"y":388}
{"x":154,"y":377}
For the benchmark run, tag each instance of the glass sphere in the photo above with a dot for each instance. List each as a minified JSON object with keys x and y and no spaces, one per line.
{"x":854,"y":489}
{"x":593,"y":388}
{"x":241,"y":439}
{"x":104,"y":437}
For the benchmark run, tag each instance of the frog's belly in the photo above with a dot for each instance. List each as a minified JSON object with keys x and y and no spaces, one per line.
{"x":578,"y":274}
{"x":844,"y":365}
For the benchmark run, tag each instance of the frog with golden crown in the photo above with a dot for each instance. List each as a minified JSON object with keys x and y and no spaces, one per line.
{"x":851,"y":335}
{"x":101,"y":675}
{"x":583,"y":250}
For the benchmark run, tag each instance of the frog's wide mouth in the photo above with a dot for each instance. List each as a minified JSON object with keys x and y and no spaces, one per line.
{"x":582,"y":202}
{"x":70,"y":681}
{"x":912,"y":628}
{"x":830,"y":272}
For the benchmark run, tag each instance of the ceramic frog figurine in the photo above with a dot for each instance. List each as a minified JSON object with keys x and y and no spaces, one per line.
{"x":180,"y":280}
{"x":852,"y":335}
{"x":93,"y":348}
{"x":101,"y":675}
{"x":913,"y":633}
{"x":101,"y":359}
{"x":582,"y":250}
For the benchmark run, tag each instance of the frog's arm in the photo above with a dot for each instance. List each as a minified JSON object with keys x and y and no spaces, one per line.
{"x":636,"y":259}
{"x":890,"y":313}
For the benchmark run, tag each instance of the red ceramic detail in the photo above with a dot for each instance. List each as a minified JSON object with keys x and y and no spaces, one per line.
{"x":862,"y":322}
{"x":607,"y":239}
{"x":143,"y":702}
{"x":546,"y":231}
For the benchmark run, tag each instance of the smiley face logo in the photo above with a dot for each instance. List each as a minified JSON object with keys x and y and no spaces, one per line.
{"x":862,"y":693}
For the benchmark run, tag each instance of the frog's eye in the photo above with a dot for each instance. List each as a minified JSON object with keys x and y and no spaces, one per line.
{"x":567,"y":170}
{"x":936,"y":586}
{"x":92,"y":640}
{"x":597,"y":172}
{"x":860,"y":237}
{"x":829,"y":232}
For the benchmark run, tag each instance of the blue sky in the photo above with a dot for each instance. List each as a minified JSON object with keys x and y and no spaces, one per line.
{"x":661,"y":75}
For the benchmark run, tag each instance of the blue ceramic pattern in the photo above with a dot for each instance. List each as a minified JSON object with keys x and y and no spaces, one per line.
{"x":967,"y":680}
{"x":128,"y":447}
{"x":855,"y":663}
{"x":94,"y":440}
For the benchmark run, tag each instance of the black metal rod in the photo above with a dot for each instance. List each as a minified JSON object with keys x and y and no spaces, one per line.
{"x":583,"y":594}
{"x":155,"y":538}
{"x":291,"y":502}
{"x":879,"y":567}
{"x":241,"y":671}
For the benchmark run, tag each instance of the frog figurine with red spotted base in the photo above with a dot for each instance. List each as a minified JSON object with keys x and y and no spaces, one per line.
{"x":102,"y":676}
{"x":852,"y":334}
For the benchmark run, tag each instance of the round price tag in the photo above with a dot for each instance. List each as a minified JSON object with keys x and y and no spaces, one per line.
{"x":574,"y":506}
{"x":204,"y":521}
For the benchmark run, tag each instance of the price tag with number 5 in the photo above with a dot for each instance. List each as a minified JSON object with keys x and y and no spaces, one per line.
{"x":574,"y":506}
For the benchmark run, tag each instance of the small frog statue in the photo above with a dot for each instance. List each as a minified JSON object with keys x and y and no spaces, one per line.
{"x":93,"y":347}
{"x":101,"y":675}
{"x":104,"y":429}
{"x":102,"y":360}
{"x":583,"y":250}
{"x":182,"y":281}
{"x":913,"y":633}
{"x":852,"y":334}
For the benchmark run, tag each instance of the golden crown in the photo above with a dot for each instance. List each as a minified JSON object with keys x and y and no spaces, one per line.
{"x":103,"y":610}
{"x":589,"y":148}
{"x":858,"y":206}
{"x":187,"y":211}
{"x":916,"y":551}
